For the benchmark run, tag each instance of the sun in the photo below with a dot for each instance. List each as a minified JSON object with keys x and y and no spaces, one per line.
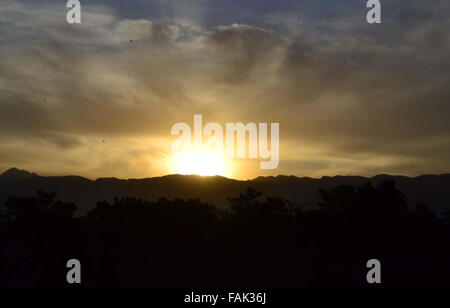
{"x":206,"y":163}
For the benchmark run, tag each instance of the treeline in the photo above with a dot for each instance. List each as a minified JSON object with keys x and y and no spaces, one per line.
{"x":255,"y":243}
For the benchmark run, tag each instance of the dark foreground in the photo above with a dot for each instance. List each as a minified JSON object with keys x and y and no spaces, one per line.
{"x":256,"y":243}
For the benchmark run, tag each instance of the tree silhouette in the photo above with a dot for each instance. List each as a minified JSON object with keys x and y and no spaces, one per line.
{"x":257,"y":242}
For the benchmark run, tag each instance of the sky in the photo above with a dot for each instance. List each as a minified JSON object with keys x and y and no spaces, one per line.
{"x":98,"y":99}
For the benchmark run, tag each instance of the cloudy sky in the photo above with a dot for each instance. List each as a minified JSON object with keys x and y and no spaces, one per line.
{"x":99,"y":99}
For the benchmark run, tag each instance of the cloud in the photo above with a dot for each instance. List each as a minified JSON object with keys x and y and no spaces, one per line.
{"x":350,"y":97}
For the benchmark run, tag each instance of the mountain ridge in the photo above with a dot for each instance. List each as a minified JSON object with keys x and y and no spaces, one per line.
{"x":14,"y":170}
{"x":84,"y":192}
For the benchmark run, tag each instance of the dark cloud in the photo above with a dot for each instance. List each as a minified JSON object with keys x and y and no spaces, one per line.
{"x":239,"y":49}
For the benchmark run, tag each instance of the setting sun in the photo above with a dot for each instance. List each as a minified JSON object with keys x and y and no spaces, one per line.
{"x":200,"y":163}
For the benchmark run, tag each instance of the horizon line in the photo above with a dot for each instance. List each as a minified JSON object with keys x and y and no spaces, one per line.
{"x":220,"y":176}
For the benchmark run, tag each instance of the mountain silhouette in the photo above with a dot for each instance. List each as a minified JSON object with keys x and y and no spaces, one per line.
{"x":431,"y":189}
{"x":15,"y":174}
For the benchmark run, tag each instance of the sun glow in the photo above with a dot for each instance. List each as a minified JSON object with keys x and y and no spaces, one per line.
{"x":206,"y":163}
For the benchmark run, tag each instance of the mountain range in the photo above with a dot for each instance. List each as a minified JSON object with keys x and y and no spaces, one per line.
{"x":431,"y":189}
